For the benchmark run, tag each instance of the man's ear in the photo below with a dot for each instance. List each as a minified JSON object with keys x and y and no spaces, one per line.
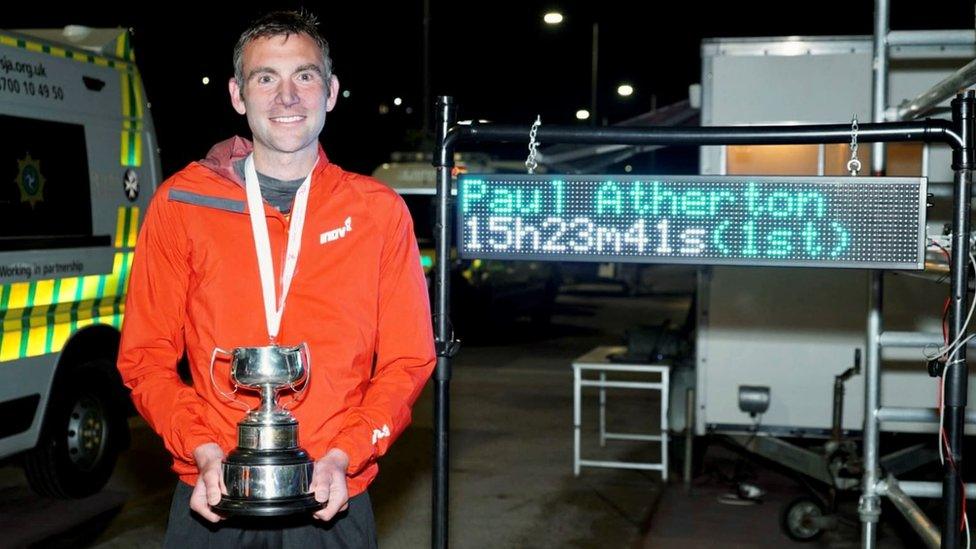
{"x":236,"y":98}
{"x":333,"y":94}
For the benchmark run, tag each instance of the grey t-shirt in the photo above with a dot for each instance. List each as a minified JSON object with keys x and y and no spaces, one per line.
{"x":278,"y":193}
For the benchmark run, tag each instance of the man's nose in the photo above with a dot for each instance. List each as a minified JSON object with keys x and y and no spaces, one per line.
{"x":288,"y":93}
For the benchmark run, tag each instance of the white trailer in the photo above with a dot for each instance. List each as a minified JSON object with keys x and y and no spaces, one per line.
{"x":793,"y":330}
{"x":786,"y":338}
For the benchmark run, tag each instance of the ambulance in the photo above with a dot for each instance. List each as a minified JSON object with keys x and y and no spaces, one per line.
{"x":78,"y":164}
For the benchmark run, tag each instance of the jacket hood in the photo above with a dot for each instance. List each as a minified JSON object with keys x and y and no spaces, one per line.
{"x":224,"y":154}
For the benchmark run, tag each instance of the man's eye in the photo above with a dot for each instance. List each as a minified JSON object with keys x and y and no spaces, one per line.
{"x":306,"y":77}
{"x":264,"y":79}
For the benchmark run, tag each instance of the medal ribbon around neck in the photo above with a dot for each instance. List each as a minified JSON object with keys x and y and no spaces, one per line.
{"x":273,"y":308}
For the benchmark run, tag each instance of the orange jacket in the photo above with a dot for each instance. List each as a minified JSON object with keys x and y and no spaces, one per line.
{"x":358,"y":292}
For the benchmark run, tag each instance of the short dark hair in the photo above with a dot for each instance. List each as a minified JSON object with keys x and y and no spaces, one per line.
{"x":282,"y":23}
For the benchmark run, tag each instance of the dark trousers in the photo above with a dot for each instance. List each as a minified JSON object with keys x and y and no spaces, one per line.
{"x":353,"y":528}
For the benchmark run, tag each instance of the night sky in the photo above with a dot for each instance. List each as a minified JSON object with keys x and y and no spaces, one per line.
{"x":497,"y":58}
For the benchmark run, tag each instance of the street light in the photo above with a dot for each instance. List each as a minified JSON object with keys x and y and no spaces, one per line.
{"x":625,"y":90}
{"x":582,"y":114}
{"x":555,"y":18}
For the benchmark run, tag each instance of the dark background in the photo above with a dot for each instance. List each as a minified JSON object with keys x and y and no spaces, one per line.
{"x":496,"y":57}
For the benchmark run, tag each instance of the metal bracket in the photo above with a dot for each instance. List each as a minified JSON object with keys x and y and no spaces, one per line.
{"x":869,"y":508}
{"x":447,"y":348}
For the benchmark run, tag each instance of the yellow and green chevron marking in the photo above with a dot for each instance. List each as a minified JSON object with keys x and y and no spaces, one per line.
{"x":82,"y":57}
{"x":39,"y":317}
{"x":132,"y":102}
{"x":130,"y":81}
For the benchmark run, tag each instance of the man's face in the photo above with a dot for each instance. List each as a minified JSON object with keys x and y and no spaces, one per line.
{"x":285,"y":95}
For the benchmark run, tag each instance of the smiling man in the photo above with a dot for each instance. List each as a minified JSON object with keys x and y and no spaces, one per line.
{"x":350,"y":276}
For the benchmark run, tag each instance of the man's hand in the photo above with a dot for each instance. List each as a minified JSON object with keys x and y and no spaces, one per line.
{"x":329,"y":484}
{"x":210,"y":481}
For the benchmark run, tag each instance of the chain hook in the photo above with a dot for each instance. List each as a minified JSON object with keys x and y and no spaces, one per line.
{"x":854,"y":165}
{"x":530,"y":162}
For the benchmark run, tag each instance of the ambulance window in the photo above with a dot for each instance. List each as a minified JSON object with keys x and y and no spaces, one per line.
{"x":45,"y":194}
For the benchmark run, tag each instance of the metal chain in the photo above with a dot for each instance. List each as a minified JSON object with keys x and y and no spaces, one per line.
{"x":530,"y":162}
{"x":854,"y":165}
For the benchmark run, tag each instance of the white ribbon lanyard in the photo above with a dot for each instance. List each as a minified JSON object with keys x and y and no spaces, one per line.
{"x":273,"y":309}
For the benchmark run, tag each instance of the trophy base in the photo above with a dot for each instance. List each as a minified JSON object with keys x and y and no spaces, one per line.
{"x":278,"y":507}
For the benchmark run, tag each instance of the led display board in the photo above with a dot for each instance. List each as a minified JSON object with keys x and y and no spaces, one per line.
{"x":853,"y":222}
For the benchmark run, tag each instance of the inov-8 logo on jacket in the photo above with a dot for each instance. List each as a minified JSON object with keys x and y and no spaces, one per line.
{"x":336,"y":234}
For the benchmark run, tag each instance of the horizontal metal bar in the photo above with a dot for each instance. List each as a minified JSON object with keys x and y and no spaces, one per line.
{"x":626,"y":436}
{"x":914,"y":339}
{"x":931,"y":130}
{"x":923,"y":489}
{"x":950,"y":37}
{"x":622,"y":465}
{"x":621,"y":384}
{"x":649,"y":368}
{"x":902,"y":414}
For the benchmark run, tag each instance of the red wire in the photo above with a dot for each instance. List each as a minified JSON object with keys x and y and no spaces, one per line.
{"x":945,"y":438}
{"x":945,"y":320}
{"x":952,"y":462}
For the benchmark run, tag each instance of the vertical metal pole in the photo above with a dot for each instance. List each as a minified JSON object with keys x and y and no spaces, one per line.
{"x":879,"y":83}
{"x":926,"y":153}
{"x":594,"y":62}
{"x":577,"y":416}
{"x":444,"y":161}
{"x":869,"y":507}
{"x":689,"y":435}
{"x":603,"y":411}
{"x":956,"y":374}
{"x":836,"y":427}
{"x":870,"y":504}
{"x":665,"y":400}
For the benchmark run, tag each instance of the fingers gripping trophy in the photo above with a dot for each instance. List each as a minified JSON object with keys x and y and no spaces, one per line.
{"x":268,"y":474}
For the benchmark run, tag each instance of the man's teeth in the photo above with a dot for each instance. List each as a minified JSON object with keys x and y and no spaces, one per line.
{"x":287,"y":118}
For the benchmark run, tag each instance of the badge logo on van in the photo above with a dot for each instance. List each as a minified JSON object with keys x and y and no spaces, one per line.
{"x":30,"y":181}
{"x":130,"y":184}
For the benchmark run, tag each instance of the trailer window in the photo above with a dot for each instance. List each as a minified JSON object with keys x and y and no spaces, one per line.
{"x":45,"y":193}
{"x":904,"y":159}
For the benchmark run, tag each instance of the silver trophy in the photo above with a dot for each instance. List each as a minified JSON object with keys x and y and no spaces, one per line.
{"x":268,"y":474}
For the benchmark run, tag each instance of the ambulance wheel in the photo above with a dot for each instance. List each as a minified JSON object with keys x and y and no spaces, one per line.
{"x":81,"y":437}
{"x":798,"y":519}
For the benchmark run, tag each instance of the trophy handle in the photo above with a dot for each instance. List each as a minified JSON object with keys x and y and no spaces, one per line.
{"x":300,"y":393}
{"x":229,"y":396}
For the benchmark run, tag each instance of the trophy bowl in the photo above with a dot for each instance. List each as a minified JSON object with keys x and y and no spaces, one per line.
{"x":268,"y":474}
{"x":256,"y":367}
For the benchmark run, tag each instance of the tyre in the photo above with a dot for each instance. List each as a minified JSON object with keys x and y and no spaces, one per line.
{"x":84,"y":429}
{"x":797,"y":519}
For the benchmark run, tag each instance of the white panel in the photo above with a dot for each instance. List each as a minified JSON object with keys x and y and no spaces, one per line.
{"x":20,"y":378}
{"x":793,"y":330}
{"x":777,"y":90}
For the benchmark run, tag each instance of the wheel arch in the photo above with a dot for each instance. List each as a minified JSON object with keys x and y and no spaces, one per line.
{"x":97,"y":342}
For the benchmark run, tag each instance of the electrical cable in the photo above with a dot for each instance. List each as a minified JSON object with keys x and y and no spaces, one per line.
{"x":950,"y":348}
{"x":948,"y":353}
